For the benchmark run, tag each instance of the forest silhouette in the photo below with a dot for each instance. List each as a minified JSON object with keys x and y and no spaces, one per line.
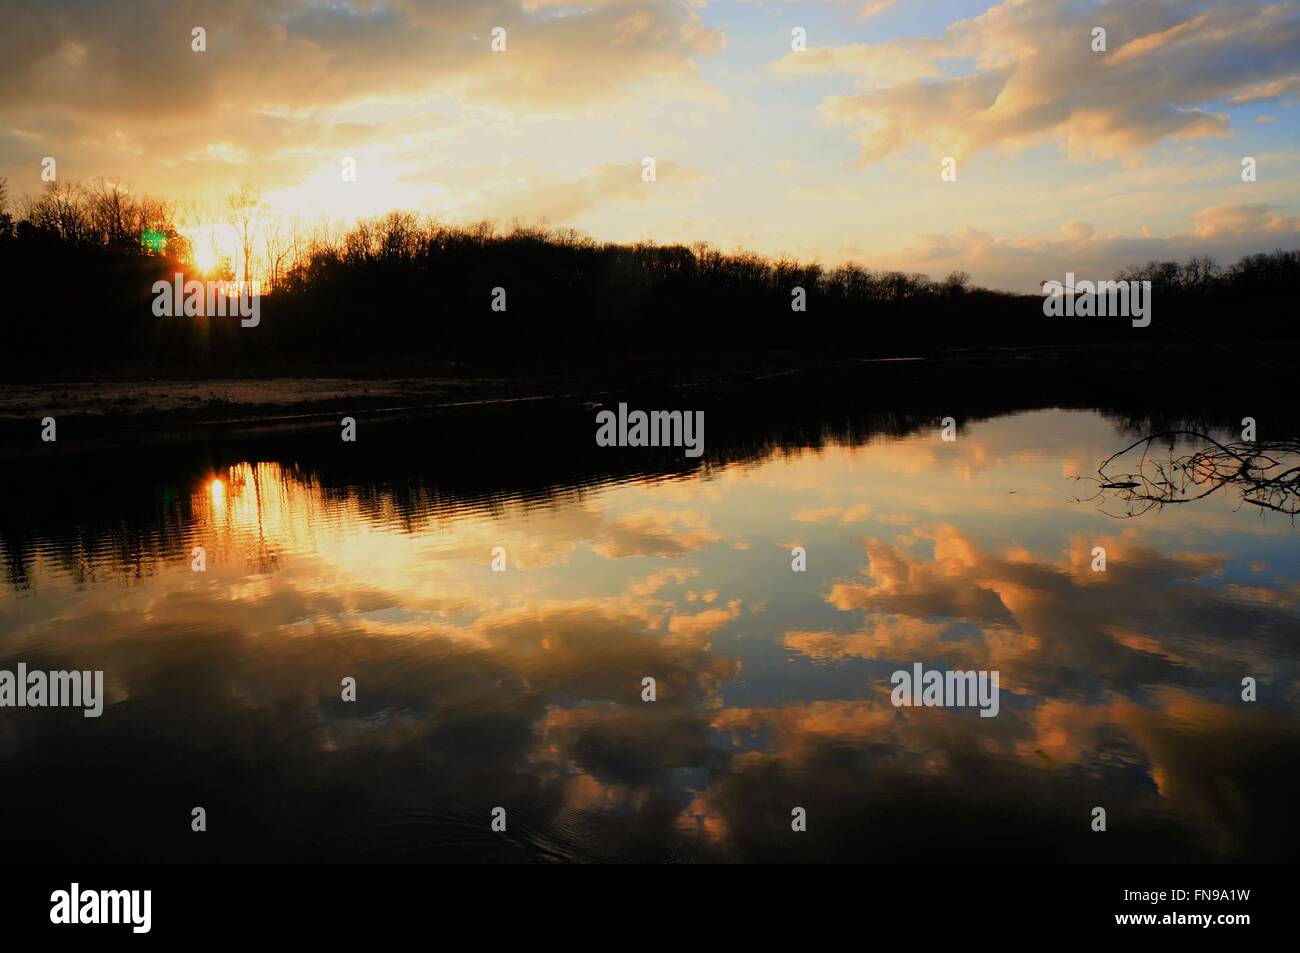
{"x":80,"y":263}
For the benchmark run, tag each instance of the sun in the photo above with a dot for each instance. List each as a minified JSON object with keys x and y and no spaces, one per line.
{"x":213,"y":247}
{"x":205,"y":258}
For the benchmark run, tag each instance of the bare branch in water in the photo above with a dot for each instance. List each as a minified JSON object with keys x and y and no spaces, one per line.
{"x":1265,"y":474}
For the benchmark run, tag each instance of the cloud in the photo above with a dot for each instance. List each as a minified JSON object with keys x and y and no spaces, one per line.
{"x":1024,"y":72}
{"x":698,"y":627}
{"x":876,"y":65}
{"x":1226,"y":232}
{"x":1149,"y":617}
{"x":1274,"y":89}
{"x":557,"y":201}
{"x":1236,"y":221}
{"x":1078,"y":231}
{"x":281,"y":82}
{"x":654,"y":533}
{"x":874,"y":8}
{"x":82,"y":55}
{"x":857,"y":513}
{"x":1178,"y":768}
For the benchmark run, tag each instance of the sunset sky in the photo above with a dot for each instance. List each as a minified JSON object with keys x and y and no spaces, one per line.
{"x":1067,"y":159}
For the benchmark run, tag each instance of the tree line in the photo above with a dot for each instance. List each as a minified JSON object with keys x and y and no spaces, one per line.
{"x":79,"y":271}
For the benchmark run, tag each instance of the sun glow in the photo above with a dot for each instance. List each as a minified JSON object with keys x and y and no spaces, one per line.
{"x":212,"y":247}
{"x":205,"y":258}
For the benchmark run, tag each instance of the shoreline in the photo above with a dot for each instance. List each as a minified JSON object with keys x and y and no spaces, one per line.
{"x":111,"y":413}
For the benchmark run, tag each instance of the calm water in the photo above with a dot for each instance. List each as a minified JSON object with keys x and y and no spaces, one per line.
{"x":522,"y":688}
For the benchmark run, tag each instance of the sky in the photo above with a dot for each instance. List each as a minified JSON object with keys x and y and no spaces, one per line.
{"x":1066,"y":158}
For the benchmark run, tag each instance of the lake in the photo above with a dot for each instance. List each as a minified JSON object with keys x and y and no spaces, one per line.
{"x":523,"y":688}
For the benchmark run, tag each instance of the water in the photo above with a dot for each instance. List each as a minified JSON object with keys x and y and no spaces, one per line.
{"x":522,"y":689}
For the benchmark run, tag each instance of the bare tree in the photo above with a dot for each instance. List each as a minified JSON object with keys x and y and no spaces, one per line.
{"x":111,"y":214}
{"x":957,"y":282}
{"x":278,"y":249}
{"x":62,"y":210}
{"x":244,"y":205}
{"x":6,"y":219}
